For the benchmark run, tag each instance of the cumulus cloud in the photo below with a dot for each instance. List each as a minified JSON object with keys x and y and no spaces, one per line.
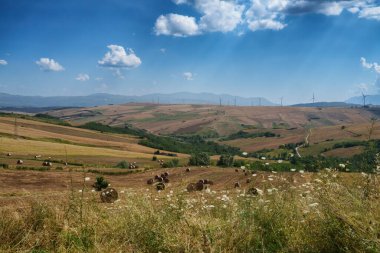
{"x":3,"y":62}
{"x":82,"y":77}
{"x":370,"y":13}
{"x":118,"y":57}
{"x":368,"y":65}
{"x":237,"y":15}
{"x":188,"y":76}
{"x":176,"y":25}
{"x":48,"y":65}
{"x":219,"y":15}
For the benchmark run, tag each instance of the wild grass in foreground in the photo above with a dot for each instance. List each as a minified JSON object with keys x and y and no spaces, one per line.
{"x":325,"y":215}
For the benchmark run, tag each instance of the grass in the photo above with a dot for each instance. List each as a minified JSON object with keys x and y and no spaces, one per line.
{"x":325,"y":215}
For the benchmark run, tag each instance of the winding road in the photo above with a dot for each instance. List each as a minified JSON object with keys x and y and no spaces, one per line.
{"x":306,"y":142}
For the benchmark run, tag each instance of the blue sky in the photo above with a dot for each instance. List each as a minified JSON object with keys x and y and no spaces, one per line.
{"x":269,"y":48}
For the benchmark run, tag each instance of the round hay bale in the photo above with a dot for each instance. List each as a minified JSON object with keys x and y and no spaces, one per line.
{"x":190,"y":187}
{"x":160,"y":186}
{"x":160,"y":179}
{"x":166,"y":174}
{"x":109,"y":195}
{"x":237,"y":185}
{"x":20,"y":161}
{"x":244,"y":170}
{"x":201,"y":181}
{"x":156,"y":177}
{"x":166,"y":180}
{"x":163,"y":175}
{"x":9,"y":154}
{"x":236,"y":170}
{"x":200,"y":186}
{"x":249,"y":180}
{"x":188,"y":170}
{"x":150,"y":181}
{"x":205,"y":181}
{"x":252,"y":191}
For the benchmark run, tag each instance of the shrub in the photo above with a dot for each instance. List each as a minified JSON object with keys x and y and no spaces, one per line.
{"x":154,"y":158}
{"x":200,"y":159}
{"x":4,"y":165}
{"x":100,"y":184}
{"x":225,"y":160}
{"x":123,"y":165}
{"x":171,"y":164}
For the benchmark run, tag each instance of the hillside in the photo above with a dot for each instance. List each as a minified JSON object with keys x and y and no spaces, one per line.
{"x":209,"y":119}
{"x":78,"y":146}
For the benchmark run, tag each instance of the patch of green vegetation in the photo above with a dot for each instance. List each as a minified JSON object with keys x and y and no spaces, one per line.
{"x":245,"y":135}
{"x":226,"y":160}
{"x":200,"y":159}
{"x":38,"y":117}
{"x":171,"y":163}
{"x":4,"y":165}
{"x":122,"y":165}
{"x":280,"y":125}
{"x":33,"y":168}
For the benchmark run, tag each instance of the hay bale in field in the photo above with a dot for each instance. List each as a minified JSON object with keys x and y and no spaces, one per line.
{"x":252,"y":191}
{"x":160,"y":186}
{"x":188,"y":170}
{"x":160,"y":179}
{"x":47,"y":164}
{"x":37,"y":156}
{"x":201,"y":181}
{"x":109,"y":195}
{"x":166,"y":180}
{"x":190,"y":187}
{"x":20,"y":161}
{"x":249,"y":180}
{"x":166,"y":174}
{"x":237,"y":185}
{"x":243,"y":170}
{"x":246,"y":174}
{"x":200,"y":186}
{"x":156,"y":177}
{"x":236,"y":170}
{"x":150,"y":181}
{"x":9,"y":154}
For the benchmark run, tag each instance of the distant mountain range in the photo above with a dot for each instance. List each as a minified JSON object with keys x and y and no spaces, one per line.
{"x":18,"y":101}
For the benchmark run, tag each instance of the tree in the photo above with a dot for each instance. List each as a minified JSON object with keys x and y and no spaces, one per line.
{"x":226,"y":160}
{"x":100,"y":184}
{"x":200,"y":159}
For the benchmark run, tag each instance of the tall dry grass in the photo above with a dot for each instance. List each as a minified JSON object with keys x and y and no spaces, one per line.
{"x":325,"y":215}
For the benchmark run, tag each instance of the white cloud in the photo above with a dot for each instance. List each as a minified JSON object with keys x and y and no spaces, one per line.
{"x":176,"y":25}
{"x":242,"y":15}
{"x":3,"y":62}
{"x":366,"y":64}
{"x":188,"y":76}
{"x":331,"y":9}
{"x":375,"y":66}
{"x":82,"y":77}
{"x":370,"y":13}
{"x":180,"y":1}
{"x":219,"y":15}
{"x":118,"y":57}
{"x":48,"y":65}
{"x":163,"y":50}
{"x":266,"y":14}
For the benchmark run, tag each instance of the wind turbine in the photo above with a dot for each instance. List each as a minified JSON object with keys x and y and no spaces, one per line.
{"x":313,"y":98}
{"x":282,"y":99}
{"x":364,"y":98}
